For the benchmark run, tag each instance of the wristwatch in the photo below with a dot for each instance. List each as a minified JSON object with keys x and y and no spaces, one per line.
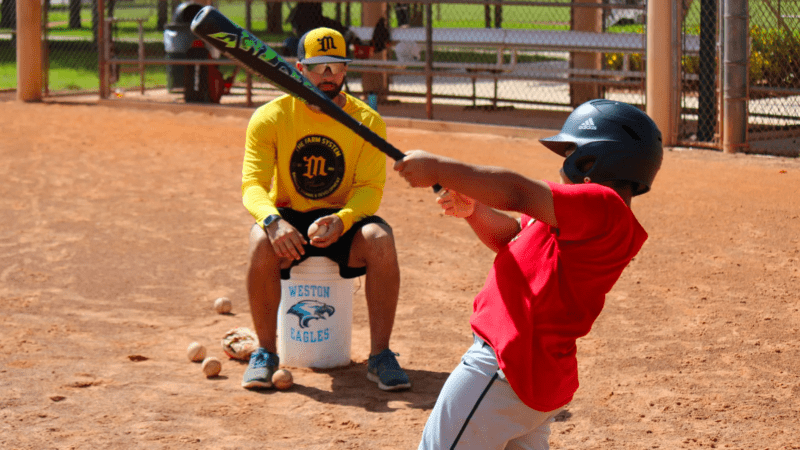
{"x":270,"y":218}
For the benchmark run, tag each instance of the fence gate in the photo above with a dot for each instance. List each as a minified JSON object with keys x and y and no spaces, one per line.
{"x":773,"y":123}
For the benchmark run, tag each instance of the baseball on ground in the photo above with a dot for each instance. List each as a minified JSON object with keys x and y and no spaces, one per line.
{"x":282,"y":379}
{"x":211,"y":366}
{"x":196,"y":352}
{"x":222,"y":305}
{"x":316,"y":230}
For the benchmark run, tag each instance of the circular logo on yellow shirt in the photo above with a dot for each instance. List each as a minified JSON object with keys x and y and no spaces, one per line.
{"x":317,"y":166}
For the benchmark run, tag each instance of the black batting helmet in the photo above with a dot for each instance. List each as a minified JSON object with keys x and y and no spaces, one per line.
{"x":622,"y":142}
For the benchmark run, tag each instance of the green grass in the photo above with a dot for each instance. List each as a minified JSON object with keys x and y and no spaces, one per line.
{"x":8,"y":66}
{"x":8,"y":76}
{"x":73,"y":66}
{"x":761,"y":14}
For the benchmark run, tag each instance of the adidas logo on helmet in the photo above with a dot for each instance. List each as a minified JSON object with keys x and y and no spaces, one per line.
{"x":588,"y":125}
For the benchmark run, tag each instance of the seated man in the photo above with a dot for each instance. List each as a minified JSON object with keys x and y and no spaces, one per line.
{"x":302,"y":167}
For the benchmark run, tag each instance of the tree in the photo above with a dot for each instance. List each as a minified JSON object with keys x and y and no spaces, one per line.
{"x":274,"y":17}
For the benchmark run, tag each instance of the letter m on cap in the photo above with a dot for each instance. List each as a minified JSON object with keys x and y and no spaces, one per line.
{"x":326,"y":43}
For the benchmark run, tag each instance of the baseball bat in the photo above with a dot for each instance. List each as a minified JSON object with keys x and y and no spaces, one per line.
{"x":220,"y":32}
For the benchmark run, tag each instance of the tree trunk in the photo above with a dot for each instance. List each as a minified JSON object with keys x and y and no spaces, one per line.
{"x":274,"y":17}
{"x":415,"y":16}
{"x":74,"y":14}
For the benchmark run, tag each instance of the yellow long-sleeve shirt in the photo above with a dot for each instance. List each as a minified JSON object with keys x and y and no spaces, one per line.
{"x":302,"y":159}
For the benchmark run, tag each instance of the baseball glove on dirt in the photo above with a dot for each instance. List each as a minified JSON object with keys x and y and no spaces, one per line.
{"x":239,"y":343}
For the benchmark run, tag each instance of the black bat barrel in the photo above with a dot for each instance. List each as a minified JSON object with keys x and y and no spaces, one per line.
{"x":217,"y":30}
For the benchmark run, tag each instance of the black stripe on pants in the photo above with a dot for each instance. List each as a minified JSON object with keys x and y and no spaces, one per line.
{"x":466,"y":422}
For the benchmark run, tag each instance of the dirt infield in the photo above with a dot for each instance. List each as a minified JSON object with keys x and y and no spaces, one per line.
{"x":119,"y":228}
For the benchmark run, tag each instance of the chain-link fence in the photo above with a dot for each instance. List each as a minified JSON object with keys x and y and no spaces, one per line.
{"x":132,"y":28}
{"x":70,"y":30}
{"x":514,"y":53}
{"x":774,"y":106}
{"x":490,"y":54}
{"x":484,"y":54}
{"x":8,"y":45}
{"x":70,"y":46}
{"x":773,"y":67}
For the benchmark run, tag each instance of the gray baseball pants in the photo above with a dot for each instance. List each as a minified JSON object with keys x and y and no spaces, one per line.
{"x":478,"y":410}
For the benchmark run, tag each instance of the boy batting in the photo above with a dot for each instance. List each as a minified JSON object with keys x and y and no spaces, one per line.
{"x":553,"y":269}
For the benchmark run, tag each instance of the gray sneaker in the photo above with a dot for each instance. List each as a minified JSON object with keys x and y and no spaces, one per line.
{"x":259,"y":372}
{"x":384,"y":369}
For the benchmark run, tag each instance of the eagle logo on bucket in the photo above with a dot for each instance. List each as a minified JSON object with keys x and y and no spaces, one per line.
{"x":309,"y":310}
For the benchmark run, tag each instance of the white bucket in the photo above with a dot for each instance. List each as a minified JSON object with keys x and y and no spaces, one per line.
{"x":315,"y":318}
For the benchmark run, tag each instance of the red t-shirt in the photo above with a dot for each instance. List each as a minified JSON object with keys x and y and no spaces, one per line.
{"x":547,"y":287}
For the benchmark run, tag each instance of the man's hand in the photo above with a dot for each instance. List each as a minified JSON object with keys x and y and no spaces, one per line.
{"x":418,"y":168}
{"x":286,"y":240}
{"x":455,"y":204}
{"x":334,"y":226}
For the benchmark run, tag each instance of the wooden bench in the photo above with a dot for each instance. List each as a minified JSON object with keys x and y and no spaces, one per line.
{"x":546,"y":40}
{"x":513,"y":41}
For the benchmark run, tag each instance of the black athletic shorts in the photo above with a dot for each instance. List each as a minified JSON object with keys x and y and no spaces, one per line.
{"x":339,"y":251}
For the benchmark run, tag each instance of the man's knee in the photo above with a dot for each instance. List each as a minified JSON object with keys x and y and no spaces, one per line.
{"x":378,"y":237}
{"x":260,"y":248}
{"x":378,"y":242}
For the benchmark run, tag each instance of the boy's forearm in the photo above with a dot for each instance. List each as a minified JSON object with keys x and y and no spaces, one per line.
{"x":493,"y":228}
{"x":498,"y":188}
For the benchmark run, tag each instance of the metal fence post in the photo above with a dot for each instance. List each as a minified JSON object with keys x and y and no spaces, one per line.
{"x":429,"y":61}
{"x":734,"y":130}
{"x":660,"y":73}
{"x":101,"y":49}
{"x":141,"y":54}
{"x":29,"y":51}
{"x":45,"y":49}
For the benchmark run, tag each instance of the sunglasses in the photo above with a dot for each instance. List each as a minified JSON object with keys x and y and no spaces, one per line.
{"x":319,"y":69}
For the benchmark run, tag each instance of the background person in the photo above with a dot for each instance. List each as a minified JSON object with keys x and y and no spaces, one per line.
{"x":305,"y":17}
